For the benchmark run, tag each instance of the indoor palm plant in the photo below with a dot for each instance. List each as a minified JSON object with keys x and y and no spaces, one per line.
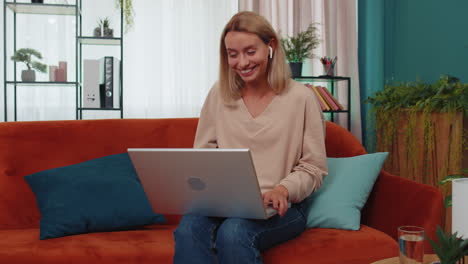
{"x":25,"y":55}
{"x":299,"y":47}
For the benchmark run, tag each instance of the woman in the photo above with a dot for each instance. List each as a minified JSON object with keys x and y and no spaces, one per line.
{"x":256,"y":105}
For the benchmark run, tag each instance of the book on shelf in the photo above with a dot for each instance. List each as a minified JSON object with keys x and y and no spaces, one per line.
{"x":101,"y":83}
{"x":110,"y":82}
{"x":332,"y":98}
{"x":328,"y":98}
{"x":323,"y":104}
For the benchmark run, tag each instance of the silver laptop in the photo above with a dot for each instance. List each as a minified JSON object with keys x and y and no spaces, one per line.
{"x":208,"y":182}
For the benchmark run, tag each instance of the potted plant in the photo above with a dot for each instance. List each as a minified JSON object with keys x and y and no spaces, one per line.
{"x":25,"y":55}
{"x":450,"y":248}
{"x":128,"y":12}
{"x":421,"y":126}
{"x":299,"y":47}
{"x":103,"y":29}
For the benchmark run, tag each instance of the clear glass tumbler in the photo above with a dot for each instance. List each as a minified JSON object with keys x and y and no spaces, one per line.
{"x":411,"y":241}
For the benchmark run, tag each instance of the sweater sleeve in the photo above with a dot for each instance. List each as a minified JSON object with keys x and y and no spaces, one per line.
{"x":308,"y":173}
{"x":205,"y":136}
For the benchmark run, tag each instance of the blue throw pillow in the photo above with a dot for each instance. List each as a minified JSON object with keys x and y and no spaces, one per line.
{"x":98,"y":195}
{"x":338,"y":203}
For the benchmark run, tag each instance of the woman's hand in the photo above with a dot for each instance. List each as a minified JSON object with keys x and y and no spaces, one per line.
{"x":277,"y":198}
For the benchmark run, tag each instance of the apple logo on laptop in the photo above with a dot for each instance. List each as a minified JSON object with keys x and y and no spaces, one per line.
{"x":196,"y":183}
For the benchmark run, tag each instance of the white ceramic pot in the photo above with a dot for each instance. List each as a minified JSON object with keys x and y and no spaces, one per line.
{"x":28,"y":76}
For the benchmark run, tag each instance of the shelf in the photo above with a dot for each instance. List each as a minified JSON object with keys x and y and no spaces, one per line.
{"x":100,"y":109}
{"x":335,"y":111}
{"x":331,"y":83}
{"x":73,"y":10}
{"x":99,"y":41}
{"x":323,"y":78}
{"x":42,"y":9}
{"x":18,"y":83}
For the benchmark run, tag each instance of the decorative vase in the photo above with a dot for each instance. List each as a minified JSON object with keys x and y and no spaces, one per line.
{"x":97,"y":32}
{"x":296,"y":69}
{"x":108,"y":32}
{"x":28,"y":76}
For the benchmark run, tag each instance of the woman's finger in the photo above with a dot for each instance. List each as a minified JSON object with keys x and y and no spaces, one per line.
{"x":266,"y":200}
{"x":276,"y":203}
{"x":283,"y":207}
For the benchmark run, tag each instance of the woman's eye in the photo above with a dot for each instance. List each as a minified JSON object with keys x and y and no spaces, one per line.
{"x":232,"y":55}
{"x":251,"y":52}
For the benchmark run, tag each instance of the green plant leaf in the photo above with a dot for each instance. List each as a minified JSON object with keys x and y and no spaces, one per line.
{"x":25,"y":54}
{"x":449,"y":178}
{"x":450,"y":247}
{"x":39,"y":66}
{"x":448,"y":201}
{"x":128,"y":12}
{"x":298,"y":48}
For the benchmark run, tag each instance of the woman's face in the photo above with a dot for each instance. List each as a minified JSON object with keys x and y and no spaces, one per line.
{"x":247,"y":56}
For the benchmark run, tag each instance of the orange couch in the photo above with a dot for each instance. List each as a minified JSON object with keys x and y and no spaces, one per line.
{"x":29,"y":147}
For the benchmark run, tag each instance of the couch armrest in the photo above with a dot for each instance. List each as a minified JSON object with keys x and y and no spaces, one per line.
{"x":396,"y":201}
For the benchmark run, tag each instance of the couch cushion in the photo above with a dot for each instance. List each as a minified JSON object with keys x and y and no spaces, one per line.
{"x":155,"y":244}
{"x":29,"y":147}
{"x":152,"y":245}
{"x":102,"y":194}
{"x":338,"y":202}
{"x":339,"y":142}
{"x":332,"y":246}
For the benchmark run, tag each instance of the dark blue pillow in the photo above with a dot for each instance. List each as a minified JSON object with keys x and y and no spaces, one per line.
{"x":98,"y":195}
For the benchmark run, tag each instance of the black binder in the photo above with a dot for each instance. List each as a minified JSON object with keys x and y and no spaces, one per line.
{"x":106,"y":88}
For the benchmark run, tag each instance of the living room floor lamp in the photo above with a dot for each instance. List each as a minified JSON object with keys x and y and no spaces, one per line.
{"x":460,"y":207}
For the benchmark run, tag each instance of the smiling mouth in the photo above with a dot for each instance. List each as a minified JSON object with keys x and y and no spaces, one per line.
{"x":247,"y":72}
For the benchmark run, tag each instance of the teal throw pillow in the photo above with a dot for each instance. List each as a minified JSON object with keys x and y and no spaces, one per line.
{"x":98,"y":195}
{"x":338,"y":203}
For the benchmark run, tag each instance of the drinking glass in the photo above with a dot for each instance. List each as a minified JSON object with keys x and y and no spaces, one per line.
{"x":411,"y":241}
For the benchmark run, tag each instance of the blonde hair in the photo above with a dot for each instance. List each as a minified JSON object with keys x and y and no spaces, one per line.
{"x":278,"y":70}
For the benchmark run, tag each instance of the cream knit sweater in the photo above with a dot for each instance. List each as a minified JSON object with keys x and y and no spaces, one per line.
{"x":287,"y":140}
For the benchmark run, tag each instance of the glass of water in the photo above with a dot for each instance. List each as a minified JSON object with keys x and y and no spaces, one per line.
{"x":411,"y":241}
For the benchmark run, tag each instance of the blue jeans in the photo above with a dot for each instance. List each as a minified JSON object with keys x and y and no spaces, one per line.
{"x":204,"y":240}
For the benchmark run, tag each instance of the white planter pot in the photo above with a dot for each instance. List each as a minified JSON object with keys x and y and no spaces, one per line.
{"x":28,"y":76}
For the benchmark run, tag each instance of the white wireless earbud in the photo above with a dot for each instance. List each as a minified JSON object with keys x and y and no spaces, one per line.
{"x":271,"y":52}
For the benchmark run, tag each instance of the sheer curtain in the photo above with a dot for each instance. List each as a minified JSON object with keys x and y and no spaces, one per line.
{"x":337,"y":24}
{"x":170,"y":57}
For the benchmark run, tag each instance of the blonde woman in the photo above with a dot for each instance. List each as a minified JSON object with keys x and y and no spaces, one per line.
{"x":256,"y":105}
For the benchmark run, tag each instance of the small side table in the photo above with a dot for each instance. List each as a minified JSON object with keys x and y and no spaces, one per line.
{"x":428,"y":259}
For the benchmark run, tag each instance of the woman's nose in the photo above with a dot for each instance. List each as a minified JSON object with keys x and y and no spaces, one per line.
{"x":243,"y":61}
